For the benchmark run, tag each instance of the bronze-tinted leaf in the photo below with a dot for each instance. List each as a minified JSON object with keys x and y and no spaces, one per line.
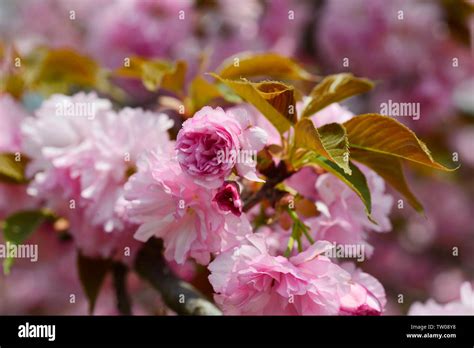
{"x":60,"y":69}
{"x":386,"y":136}
{"x":356,"y":181}
{"x":280,"y":96}
{"x":202,"y":92}
{"x":255,"y":94}
{"x":12,"y":168}
{"x":329,"y":141}
{"x":273,"y":65}
{"x":335,"y":88}
{"x":155,"y":73}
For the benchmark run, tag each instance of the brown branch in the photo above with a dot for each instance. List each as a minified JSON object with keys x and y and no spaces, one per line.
{"x":267,"y":191}
{"x":178,"y":295}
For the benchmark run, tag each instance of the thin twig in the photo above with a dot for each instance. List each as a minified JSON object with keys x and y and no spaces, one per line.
{"x":267,"y":191}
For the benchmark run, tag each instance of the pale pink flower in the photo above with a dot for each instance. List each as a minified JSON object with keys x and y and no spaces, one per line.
{"x":145,"y":28}
{"x":168,"y":204}
{"x":249,"y":280}
{"x":463,"y":306}
{"x":367,"y":295}
{"x":257,"y":119}
{"x":333,"y":113}
{"x":81,"y":153}
{"x":343,"y":218}
{"x":213,"y":142}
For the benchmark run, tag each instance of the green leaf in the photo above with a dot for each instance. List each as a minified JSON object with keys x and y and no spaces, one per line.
{"x":329,"y":141}
{"x":92,"y":273}
{"x":12,"y":168}
{"x":389,"y":168}
{"x":155,"y":73}
{"x":263,"y":64}
{"x":335,"y":88}
{"x":19,"y":226}
{"x":385,"y":136}
{"x":265,"y":96}
{"x":356,"y":181}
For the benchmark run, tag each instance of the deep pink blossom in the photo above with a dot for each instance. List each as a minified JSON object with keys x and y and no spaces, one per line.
{"x":213,"y":142}
{"x":228,"y":198}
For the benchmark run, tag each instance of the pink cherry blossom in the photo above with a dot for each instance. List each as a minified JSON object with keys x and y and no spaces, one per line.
{"x":249,"y":280}
{"x":343,"y":218}
{"x":228,"y":198}
{"x":145,"y":28}
{"x":81,"y":152}
{"x":463,"y":306}
{"x":367,"y":295}
{"x":168,"y":204}
{"x":213,"y":141}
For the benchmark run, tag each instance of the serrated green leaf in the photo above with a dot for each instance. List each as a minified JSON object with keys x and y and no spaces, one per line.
{"x":356,"y":181}
{"x":385,"y":136}
{"x":18,"y":227}
{"x":335,"y":88}
{"x":273,"y":65}
{"x":329,"y":141}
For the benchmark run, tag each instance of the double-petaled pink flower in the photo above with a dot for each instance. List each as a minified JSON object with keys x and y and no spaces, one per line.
{"x":82,"y":152}
{"x":167,"y":203}
{"x":214,"y":141}
{"x":249,"y":280}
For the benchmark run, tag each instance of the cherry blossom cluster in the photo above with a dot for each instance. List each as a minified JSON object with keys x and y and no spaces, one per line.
{"x":119,"y":180}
